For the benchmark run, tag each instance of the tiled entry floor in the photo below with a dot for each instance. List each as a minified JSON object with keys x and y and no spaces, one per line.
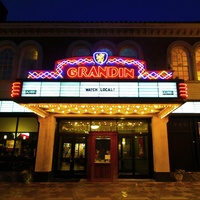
{"x":83,"y":190}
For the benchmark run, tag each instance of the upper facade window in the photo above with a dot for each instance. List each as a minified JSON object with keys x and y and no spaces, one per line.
{"x":105,"y":49}
{"x":131,"y":49}
{"x":6,"y":63}
{"x":105,"y":46}
{"x":197,"y":59}
{"x":29,"y":60}
{"x":81,"y":51}
{"x":179,"y":63}
{"x":79,"y":48}
{"x":128,"y":52}
{"x":127,"y":48}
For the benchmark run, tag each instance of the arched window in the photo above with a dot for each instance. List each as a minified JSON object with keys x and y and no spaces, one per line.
{"x":179,"y":63}
{"x":197,"y":59}
{"x":6,"y":63}
{"x":79,"y":48}
{"x":128,"y":52}
{"x":105,"y":46}
{"x":130,"y":48}
{"x":29,"y":60}
{"x":105,"y":49}
{"x":81,"y":51}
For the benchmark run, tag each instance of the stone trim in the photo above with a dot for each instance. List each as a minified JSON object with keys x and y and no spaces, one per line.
{"x":59,"y":29}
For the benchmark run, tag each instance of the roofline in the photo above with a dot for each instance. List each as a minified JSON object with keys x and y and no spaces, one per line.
{"x":103,"y":29}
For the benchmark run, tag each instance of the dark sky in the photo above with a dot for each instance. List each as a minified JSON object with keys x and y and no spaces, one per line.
{"x":103,"y":10}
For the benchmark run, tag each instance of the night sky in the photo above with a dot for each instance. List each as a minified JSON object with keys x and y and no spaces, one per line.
{"x":104,"y":10}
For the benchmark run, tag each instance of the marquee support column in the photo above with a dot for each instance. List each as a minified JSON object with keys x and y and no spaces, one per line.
{"x":44,"y":157}
{"x":160,"y":149}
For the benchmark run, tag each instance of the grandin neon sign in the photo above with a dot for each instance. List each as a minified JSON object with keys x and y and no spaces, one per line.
{"x":100,"y":66}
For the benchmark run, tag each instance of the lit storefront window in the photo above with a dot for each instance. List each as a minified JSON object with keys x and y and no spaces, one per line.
{"x":18,"y":142}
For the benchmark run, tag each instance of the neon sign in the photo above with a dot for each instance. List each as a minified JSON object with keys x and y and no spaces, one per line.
{"x":100,"y":72}
{"x":100,"y":66}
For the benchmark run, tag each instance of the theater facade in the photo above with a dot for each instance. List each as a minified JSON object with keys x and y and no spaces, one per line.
{"x":101,"y":101}
{"x":101,"y":117}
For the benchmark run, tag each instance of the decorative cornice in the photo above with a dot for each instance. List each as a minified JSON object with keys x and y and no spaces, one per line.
{"x":48,"y":29}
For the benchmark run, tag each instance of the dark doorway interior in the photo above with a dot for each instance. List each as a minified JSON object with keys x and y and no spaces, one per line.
{"x":134,"y":156}
{"x":72,"y":157}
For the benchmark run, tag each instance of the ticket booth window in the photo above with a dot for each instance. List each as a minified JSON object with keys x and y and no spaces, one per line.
{"x":102,"y":151}
{"x":102,"y":162}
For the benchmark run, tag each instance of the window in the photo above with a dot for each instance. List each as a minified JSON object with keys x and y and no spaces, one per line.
{"x":79,"y":48}
{"x":179,"y":63}
{"x":81,"y":51}
{"x":102,"y":150}
{"x":105,"y":49}
{"x":18,"y":142}
{"x":6,"y":62}
{"x":130,"y":48}
{"x":105,"y":46}
{"x":197,"y":58}
{"x":29,"y":61}
{"x":128,"y":52}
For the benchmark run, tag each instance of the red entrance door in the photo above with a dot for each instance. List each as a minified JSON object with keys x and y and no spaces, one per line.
{"x":103,"y":156}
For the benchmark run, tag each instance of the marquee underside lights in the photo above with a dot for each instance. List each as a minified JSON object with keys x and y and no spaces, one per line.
{"x":101,"y":110}
{"x":100,"y":66}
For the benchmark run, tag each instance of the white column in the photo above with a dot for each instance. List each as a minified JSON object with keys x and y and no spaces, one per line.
{"x":160,"y":144}
{"x":45,"y":145}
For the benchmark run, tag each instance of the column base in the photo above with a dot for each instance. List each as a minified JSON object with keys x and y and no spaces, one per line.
{"x":162,"y":176}
{"x":42,"y":176}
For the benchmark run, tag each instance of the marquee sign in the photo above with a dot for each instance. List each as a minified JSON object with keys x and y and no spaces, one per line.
{"x":100,"y":75}
{"x":100,"y":66}
{"x":135,"y":89}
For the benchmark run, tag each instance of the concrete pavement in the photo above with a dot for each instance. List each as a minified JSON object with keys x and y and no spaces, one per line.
{"x":84,"y":190}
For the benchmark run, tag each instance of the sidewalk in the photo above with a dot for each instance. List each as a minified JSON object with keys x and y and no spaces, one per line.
{"x":83,"y":190}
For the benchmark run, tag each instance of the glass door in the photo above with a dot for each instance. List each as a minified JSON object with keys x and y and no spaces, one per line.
{"x":125,"y":156}
{"x":141,"y":156}
{"x":72,"y":156}
{"x":134,"y":160}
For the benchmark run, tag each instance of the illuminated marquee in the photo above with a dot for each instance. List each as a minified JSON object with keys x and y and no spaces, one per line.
{"x":100,"y":66}
{"x":133,"y":89}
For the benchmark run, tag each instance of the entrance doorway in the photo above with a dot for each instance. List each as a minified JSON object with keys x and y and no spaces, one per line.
{"x":72,"y":156}
{"x":78,"y":139}
{"x":102,"y":162}
{"x":134,"y":156}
